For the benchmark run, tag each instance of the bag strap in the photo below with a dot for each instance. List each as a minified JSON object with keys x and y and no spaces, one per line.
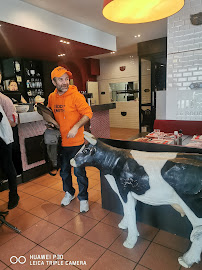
{"x":47,"y":159}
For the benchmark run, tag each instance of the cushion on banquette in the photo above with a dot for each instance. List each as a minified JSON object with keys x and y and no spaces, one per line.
{"x":187,"y":127}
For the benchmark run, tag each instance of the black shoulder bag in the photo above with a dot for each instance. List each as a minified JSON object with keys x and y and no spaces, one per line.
{"x":52,"y":141}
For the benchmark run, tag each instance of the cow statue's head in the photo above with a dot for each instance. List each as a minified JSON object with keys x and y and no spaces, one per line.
{"x":85,"y":156}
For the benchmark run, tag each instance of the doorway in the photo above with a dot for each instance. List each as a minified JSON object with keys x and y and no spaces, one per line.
{"x":152,"y":78}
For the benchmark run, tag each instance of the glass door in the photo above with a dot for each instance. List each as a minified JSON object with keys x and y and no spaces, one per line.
{"x":147,"y":95}
{"x":152,"y":78}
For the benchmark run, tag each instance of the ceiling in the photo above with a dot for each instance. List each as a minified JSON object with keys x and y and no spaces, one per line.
{"x":23,"y":42}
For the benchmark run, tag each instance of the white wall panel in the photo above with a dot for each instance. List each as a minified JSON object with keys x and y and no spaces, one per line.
{"x":32,"y":17}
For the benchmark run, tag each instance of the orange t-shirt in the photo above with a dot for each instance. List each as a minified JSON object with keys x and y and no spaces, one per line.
{"x":68,"y":109}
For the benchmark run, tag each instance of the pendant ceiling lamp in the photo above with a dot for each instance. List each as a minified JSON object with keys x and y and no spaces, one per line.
{"x":140,"y":11}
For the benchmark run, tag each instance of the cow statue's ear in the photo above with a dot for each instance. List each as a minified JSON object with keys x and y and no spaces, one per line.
{"x":90,"y":138}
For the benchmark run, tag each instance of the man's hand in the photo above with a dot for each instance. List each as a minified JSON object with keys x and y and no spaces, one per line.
{"x":73,"y":131}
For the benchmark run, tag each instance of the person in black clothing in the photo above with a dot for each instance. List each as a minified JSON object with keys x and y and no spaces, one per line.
{"x":8,"y":168}
{"x":1,"y":87}
{"x":13,"y":86}
{"x":6,"y":163}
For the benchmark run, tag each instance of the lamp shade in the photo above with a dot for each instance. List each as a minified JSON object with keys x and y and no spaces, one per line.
{"x":140,"y":11}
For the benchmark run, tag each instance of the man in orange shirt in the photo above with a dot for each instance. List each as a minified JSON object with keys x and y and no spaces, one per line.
{"x":72,"y":112}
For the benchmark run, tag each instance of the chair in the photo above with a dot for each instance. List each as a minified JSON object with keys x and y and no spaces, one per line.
{"x":146,"y":119}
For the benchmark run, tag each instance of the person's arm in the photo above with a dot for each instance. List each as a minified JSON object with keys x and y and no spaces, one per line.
{"x":12,"y":123}
{"x":9,"y":110}
{"x":73,"y":131}
{"x":85,"y":111}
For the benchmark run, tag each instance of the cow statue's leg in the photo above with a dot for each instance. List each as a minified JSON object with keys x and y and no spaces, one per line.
{"x":129,"y":218}
{"x":129,"y":221}
{"x":193,"y":255}
{"x":123,"y":224}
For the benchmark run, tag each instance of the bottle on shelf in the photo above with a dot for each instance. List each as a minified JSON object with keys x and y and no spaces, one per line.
{"x":180,"y":136}
{"x":17,"y":66}
{"x":175,"y":137}
{"x":28,"y":83}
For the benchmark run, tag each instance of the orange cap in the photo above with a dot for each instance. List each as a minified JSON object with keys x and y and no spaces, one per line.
{"x":59,"y":71}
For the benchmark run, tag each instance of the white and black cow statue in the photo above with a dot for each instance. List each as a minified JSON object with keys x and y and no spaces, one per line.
{"x":154,"y":178}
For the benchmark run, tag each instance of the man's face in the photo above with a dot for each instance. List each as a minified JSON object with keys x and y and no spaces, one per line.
{"x":61,"y":83}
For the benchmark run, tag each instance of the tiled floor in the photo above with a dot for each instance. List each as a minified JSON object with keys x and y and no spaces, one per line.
{"x":49,"y":229}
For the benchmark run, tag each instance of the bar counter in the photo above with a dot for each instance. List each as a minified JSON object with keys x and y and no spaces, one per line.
{"x":100,"y":124}
{"x":103,"y":107}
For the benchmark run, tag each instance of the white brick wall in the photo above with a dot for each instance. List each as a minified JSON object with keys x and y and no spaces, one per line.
{"x":184,"y":64}
{"x":110,"y":73}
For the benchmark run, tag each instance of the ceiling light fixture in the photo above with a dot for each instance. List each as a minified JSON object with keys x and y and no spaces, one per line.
{"x":63,"y":41}
{"x":140,"y":11}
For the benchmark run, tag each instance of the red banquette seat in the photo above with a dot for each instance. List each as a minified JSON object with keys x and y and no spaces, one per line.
{"x":187,"y":127}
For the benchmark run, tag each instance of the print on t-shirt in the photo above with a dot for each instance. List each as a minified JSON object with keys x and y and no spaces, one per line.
{"x":59,"y":108}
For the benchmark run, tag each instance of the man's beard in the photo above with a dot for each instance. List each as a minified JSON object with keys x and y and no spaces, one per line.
{"x":63,"y":89}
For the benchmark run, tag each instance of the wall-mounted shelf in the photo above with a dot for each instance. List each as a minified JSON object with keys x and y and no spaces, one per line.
{"x":27,"y":73}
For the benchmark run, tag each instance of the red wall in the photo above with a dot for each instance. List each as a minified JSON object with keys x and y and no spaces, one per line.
{"x":82,"y":70}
